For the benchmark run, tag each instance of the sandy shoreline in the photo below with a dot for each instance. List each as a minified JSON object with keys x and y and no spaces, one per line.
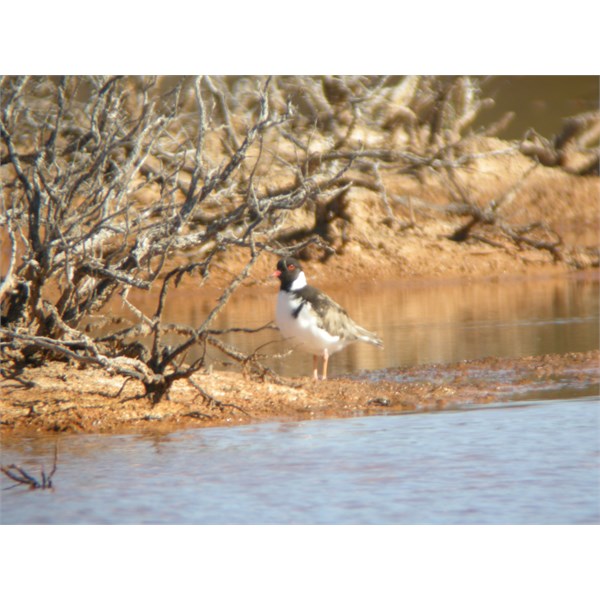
{"x":65,"y":398}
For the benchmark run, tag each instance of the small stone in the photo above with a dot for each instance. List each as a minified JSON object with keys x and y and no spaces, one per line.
{"x":379,"y":402}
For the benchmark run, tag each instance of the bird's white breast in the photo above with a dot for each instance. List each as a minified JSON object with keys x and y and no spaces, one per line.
{"x":302,"y":331}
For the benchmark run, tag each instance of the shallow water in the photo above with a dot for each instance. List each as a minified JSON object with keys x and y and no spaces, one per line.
{"x":524,"y":463}
{"x":421,"y":323}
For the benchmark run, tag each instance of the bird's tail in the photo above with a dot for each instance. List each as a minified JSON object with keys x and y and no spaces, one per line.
{"x":369,"y":337}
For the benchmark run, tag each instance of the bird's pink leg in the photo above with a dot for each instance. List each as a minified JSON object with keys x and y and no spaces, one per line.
{"x":316,"y":367}
{"x":325,"y":361}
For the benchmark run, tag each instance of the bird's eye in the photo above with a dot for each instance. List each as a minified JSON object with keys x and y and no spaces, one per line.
{"x":291,"y":267}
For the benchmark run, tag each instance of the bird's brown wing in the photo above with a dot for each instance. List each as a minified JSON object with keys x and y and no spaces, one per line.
{"x":330,"y":315}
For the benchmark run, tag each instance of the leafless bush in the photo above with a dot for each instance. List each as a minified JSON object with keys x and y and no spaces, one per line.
{"x":105,"y":179}
{"x":576,"y":149}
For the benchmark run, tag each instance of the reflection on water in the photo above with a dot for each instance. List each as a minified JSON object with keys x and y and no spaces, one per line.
{"x":540,"y":102}
{"x":419,"y":324}
{"x":524,"y":463}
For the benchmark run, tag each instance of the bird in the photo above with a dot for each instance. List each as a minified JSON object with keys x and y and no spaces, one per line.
{"x":311,"y":320}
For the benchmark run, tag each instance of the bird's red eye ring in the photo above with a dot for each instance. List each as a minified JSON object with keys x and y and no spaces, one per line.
{"x":291,"y":267}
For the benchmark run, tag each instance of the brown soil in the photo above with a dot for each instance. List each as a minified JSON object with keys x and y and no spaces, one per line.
{"x":371,"y":243}
{"x":66,"y":398}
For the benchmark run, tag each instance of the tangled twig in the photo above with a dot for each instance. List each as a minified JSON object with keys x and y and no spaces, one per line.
{"x":22,"y":477}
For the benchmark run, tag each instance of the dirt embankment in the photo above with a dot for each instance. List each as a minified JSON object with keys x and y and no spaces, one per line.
{"x":407,"y":234}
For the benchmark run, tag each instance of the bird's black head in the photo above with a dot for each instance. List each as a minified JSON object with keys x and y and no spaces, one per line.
{"x":288,"y":271}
